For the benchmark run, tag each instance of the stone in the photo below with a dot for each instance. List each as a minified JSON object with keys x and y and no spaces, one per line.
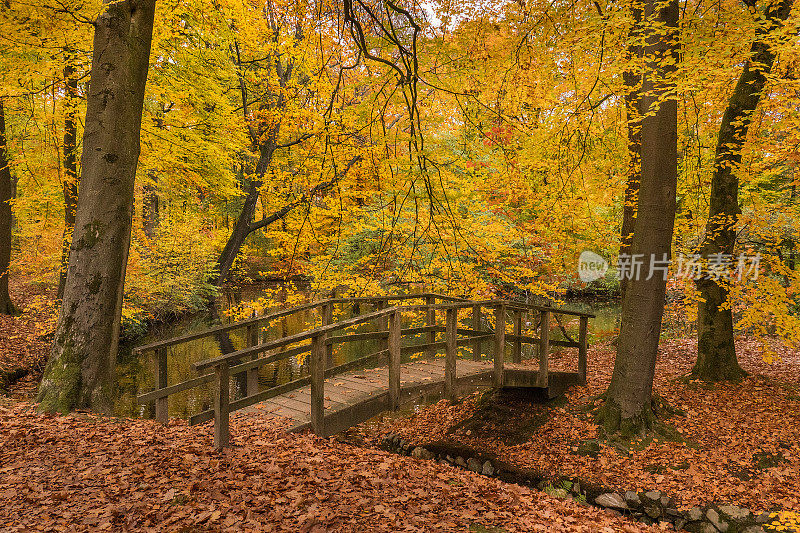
{"x":474,"y":465}
{"x":653,"y":511}
{"x":611,"y":500}
{"x":694,"y":514}
{"x":449,"y":459}
{"x":487,"y":469}
{"x":679,"y":523}
{"x":716,"y":521}
{"x":632,"y":499}
{"x":672,"y":511}
{"x":421,"y":453}
{"x":665,"y":501}
{"x":461,"y":462}
{"x":653,"y":495}
{"x":764,"y":518}
{"x":752,"y":529}
{"x":576,"y":488}
{"x":733,"y":512}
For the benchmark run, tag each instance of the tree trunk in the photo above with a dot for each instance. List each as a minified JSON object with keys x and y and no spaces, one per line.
{"x":627,"y":407}
{"x":150,"y":203}
{"x":80,"y":371}
{"x":6,"y":223}
{"x":632,"y":79}
{"x":716,"y":351}
{"x":70,"y":185}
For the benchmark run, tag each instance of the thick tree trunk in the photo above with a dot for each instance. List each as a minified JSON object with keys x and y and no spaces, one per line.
{"x":70,"y":185}
{"x":627,"y":407}
{"x":716,"y":351}
{"x":80,"y":371}
{"x":632,"y":79}
{"x":6,"y":222}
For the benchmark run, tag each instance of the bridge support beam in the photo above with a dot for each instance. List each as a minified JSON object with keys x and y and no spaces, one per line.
{"x":450,"y":354}
{"x":318,"y":384}
{"x":544,"y":348}
{"x":222,"y":406}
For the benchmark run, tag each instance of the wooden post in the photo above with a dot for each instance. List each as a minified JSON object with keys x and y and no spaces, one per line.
{"x":162,"y":405}
{"x":394,"y":360}
{"x":499,"y":343}
{"x":544,"y":348}
{"x":450,"y":355}
{"x":222,"y":406}
{"x":251,"y":386}
{"x":318,"y":384}
{"x":582,"y":340}
{"x":430,"y":321}
{"x":476,"y":326}
{"x":327,"y":318}
{"x":383,"y":325}
{"x":518,"y":333}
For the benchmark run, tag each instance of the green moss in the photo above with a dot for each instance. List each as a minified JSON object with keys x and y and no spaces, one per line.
{"x":61,"y":385}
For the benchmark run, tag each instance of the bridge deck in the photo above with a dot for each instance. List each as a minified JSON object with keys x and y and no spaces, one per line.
{"x":355,"y":397}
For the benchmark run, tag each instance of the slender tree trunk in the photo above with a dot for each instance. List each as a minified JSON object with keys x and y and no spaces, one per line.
{"x":70,"y":185}
{"x":627,"y":407}
{"x":150,"y":202}
{"x":6,"y":223}
{"x":243,"y":226}
{"x":716,"y":351}
{"x":80,"y":371}
{"x":632,"y":79}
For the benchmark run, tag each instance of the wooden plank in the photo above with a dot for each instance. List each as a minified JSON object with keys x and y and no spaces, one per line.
{"x":582,"y":348}
{"x":361,"y":385}
{"x":162,"y":402}
{"x":251,"y":338}
{"x":221,"y":406}
{"x":426,"y":347}
{"x":499,"y":344}
{"x":317,"y":383}
{"x":517,"y":354}
{"x":430,"y":322}
{"x":544,"y":347}
{"x":450,"y":355}
{"x":394,"y":360}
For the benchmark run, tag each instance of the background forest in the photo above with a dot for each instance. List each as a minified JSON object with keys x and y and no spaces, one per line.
{"x":478,"y":149}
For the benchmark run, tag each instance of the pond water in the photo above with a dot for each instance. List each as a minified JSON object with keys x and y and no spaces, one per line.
{"x":135,"y":375}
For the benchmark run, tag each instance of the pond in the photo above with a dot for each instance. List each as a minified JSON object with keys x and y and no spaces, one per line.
{"x":135,"y":375}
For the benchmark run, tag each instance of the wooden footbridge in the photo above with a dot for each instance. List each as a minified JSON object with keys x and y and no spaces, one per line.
{"x":332,"y":398}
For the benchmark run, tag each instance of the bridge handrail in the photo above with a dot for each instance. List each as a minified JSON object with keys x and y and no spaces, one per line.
{"x":389,"y":338}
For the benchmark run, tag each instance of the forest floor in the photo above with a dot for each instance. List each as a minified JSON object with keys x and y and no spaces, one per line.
{"x":724,"y":443}
{"x":727,"y":443}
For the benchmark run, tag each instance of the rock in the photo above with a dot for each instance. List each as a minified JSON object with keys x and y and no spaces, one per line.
{"x":653,"y":495}
{"x":487,"y":469}
{"x":694,"y":514}
{"x":461,"y":462}
{"x":679,"y":523}
{"x":716,"y":521}
{"x":474,"y":465}
{"x":576,"y":488}
{"x":611,"y":500}
{"x":421,"y":453}
{"x":735,"y":513}
{"x":653,"y":511}
{"x":752,"y":529}
{"x":665,"y":501}
{"x":449,"y":459}
{"x":671,"y":511}
{"x":632,"y":499}
{"x":764,"y":518}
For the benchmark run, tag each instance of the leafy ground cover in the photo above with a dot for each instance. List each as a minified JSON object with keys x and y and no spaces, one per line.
{"x":735,"y":443}
{"x":94,"y":473}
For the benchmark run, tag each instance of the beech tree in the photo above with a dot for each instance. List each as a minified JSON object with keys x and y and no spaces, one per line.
{"x":6,"y":195}
{"x":79,"y":373}
{"x":716,"y":351}
{"x":627,"y":406}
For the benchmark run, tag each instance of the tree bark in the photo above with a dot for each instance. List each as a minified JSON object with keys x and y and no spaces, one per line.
{"x":627,"y":408}
{"x":6,"y":222}
{"x":632,"y":79}
{"x":70,"y":185}
{"x":80,"y":371}
{"x":716,"y":351}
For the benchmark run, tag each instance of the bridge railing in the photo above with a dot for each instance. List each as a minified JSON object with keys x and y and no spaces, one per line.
{"x":319,"y":342}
